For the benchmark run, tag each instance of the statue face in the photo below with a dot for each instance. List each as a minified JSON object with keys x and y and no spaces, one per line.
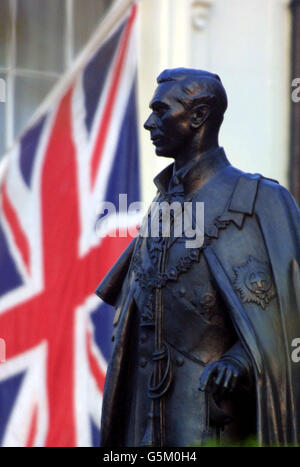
{"x":169,"y":122}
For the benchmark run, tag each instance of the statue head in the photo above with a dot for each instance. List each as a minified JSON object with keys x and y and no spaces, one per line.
{"x":188,"y":107}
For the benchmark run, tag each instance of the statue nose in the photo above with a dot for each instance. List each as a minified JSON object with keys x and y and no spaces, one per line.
{"x":149,"y":123}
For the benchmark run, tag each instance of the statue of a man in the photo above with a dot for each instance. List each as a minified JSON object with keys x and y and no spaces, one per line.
{"x":204,"y":335}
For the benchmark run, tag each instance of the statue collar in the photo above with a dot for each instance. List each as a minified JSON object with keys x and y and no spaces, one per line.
{"x":195,"y":173}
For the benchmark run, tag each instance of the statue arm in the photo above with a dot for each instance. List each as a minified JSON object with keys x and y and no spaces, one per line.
{"x":110,"y":287}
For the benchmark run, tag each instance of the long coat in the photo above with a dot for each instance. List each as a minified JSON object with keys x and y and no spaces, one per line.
{"x":252,"y":236}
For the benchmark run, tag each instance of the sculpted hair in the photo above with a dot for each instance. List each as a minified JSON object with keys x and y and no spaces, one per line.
{"x":198,"y":86}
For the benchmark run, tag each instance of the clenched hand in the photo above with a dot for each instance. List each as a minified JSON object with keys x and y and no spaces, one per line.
{"x":220,"y":376}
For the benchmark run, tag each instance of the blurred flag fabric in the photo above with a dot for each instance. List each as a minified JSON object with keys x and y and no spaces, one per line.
{"x":81,"y":151}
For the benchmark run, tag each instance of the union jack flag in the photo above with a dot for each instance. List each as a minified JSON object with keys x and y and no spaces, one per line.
{"x":82,"y":151}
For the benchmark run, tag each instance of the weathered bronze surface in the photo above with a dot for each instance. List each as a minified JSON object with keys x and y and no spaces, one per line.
{"x":203,"y":335}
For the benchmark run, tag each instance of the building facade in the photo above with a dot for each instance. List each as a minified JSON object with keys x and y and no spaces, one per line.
{"x":248,"y":44}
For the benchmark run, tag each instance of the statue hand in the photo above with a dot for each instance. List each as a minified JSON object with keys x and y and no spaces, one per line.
{"x":220,"y":377}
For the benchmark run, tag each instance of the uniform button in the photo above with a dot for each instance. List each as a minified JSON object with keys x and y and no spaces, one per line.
{"x":143,"y":362}
{"x":182,"y":292}
{"x":179,"y":361}
{"x":143,"y":338}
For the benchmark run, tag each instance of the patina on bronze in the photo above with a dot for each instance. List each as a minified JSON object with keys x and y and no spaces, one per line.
{"x":203,"y":336}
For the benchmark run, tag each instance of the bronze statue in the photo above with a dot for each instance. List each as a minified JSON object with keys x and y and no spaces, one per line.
{"x":203,"y":335}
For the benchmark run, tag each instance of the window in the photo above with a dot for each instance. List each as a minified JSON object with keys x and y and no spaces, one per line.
{"x":39,"y":39}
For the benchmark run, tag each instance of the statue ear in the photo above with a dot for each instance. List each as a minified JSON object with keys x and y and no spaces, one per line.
{"x":200,"y":114}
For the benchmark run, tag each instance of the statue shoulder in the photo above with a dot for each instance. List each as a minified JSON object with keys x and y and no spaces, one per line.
{"x":255,"y":191}
{"x":271,"y":194}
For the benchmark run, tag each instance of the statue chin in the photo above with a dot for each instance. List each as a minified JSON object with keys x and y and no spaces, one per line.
{"x":162,"y":152}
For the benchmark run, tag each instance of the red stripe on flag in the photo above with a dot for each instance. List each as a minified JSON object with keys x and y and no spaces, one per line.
{"x":94,"y":366}
{"x":59,"y":195}
{"x":105,"y":120}
{"x":16,"y":228}
{"x":32,"y":430}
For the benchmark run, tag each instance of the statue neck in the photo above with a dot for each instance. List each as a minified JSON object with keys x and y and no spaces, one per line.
{"x":196,"y":151}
